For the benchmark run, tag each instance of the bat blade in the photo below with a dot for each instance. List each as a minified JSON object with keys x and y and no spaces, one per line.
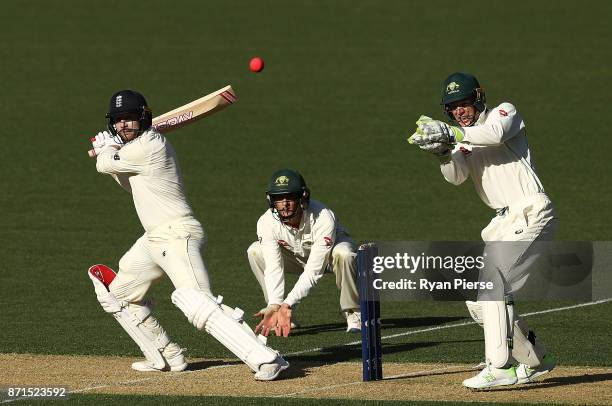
{"x":192,"y":111}
{"x":195,"y":110}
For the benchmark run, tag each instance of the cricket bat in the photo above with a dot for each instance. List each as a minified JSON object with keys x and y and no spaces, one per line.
{"x":191,"y":112}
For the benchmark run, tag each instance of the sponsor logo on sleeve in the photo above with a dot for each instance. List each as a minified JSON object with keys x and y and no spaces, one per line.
{"x":283,"y":243}
{"x":116,"y":156}
{"x":328,"y":241}
{"x":503,"y":113}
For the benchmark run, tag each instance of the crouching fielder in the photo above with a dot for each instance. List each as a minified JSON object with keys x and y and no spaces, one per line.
{"x":144,"y":163}
{"x":490,"y":146}
{"x":302,"y":236}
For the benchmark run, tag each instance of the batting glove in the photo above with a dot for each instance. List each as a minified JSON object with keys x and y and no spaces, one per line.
{"x":104,"y":139}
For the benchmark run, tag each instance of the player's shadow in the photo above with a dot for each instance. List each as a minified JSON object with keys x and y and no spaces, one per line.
{"x":414,"y":322}
{"x":448,"y":371}
{"x":205,"y":364}
{"x":344,"y":353}
{"x":407,"y":322}
{"x":561,"y":381}
{"x":318,"y":328}
{"x":297,"y":370}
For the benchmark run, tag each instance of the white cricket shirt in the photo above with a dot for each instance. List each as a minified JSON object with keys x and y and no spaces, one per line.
{"x":148,"y":167}
{"x":310,"y":244}
{"x":495,"y":154}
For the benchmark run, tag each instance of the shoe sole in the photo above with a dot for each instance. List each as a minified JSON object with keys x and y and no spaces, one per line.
{"x":492,"y":384}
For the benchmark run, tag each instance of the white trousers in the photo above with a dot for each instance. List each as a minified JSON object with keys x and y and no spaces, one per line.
{"x":174,"y":249}
{"x":343,"y":265}
{"x":516,"y":240}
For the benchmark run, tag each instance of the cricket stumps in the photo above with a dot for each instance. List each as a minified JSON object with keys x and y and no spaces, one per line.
{"x":369,"y":302}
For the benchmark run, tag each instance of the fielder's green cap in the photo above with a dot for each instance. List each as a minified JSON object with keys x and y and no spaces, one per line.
{"x":286,"y":181}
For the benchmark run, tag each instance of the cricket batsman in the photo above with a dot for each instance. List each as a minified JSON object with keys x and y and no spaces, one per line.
{"x":490,"y":147}
{"x":144,"y":163}
{"x":303,"y":236}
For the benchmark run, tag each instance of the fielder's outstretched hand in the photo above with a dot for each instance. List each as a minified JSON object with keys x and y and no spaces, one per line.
{"x":269,"y":320}
{"x":284,"y":321}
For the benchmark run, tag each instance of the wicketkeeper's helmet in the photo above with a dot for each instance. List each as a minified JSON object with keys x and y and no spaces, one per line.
{"x":462,"y":86}
{"x":288,"y":181}
{"x":128,"y":101}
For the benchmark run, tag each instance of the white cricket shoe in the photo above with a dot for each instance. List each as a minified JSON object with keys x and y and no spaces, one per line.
{"x":353,"y":322}
{"x":175,"y":363}
{"x":525,"y":374}
{"x":269,"y":372}
{"x":490,"y":377}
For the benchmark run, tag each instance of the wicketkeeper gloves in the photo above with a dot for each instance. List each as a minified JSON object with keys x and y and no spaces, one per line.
{"x":436,"y":137}
{"x":431,"y":131}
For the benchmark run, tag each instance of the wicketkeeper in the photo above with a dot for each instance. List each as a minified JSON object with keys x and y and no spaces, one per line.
{"x":490,"y":147}
{"x":143,"y":162}
{"x":303,"y":236}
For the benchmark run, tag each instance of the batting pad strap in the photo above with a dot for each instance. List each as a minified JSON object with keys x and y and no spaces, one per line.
{"x":142,"y":313}
{"x":149,"y":343}
{"x":225,"y":325}
{"x":140,"y":316}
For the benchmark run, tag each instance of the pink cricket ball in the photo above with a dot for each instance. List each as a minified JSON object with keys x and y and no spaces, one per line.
{"x":256,"y":64}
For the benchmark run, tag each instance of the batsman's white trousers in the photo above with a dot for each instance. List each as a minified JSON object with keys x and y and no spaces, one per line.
{"x":173,"y":248}
{"x":343,"y":265}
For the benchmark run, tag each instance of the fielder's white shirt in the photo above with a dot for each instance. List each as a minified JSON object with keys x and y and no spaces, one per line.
{"x":495,"y":154}
{"x":311,"y":244}
{"x":148,"y":167}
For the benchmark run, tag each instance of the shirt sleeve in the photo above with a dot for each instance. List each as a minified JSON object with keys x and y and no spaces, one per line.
{"x":273,"y":272}
{"x":132,"y":158}
{"x":123,"y":179}
{"x":502,"y":123}
{"x":456,"y":170}
{"x":324,"y":233}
